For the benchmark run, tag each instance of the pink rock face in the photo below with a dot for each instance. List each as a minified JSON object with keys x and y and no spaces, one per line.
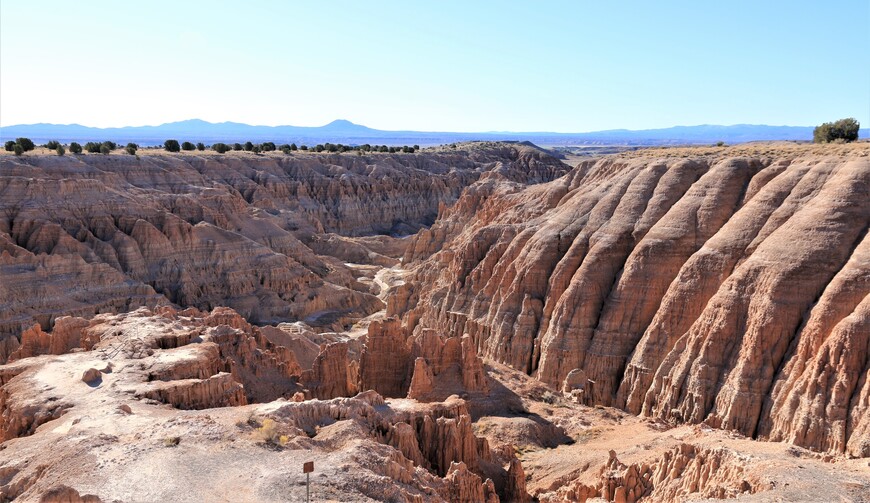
{"x":729,"y":291}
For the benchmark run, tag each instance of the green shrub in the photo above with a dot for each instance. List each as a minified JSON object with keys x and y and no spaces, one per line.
{"x":237,"y":146}
{"x":9,"y":145}
{"x":220,"y":148}
{"x":104,"y":149}
{"x":75,"y":148}
{"x":200,"y":146}
{"x":52,"y":145}
{"x":843,"y":129}
{"x":188,"y":146}
{"x":18,"y":149}
{"x":172,"y":146}
{"x":60,"y":150}
{"x":25,"y":143}
{"x":249,"y":146}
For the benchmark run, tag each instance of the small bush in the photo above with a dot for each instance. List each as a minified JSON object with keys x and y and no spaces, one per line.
{"x":172,"y":146}
{"x":200,"y":146}
{"x":267,"y":146}
{"x":188,"y":146}
{"x":845,"y":130}
{"x":75,"y":148}
{"x":18,"y":149}
{"x":220,"y":148}
{"x":237,"y":146}
{"x":104,"y":149}
{"x":52,"y":145}
{"x":9,"y":145}
{"x":269,"y":433}
{"x":25,"y":143}
{"x":249,"y":146}
{"x":60,"y":150}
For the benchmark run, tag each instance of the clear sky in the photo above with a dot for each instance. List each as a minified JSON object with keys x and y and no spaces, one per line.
{"x":567,"y":66}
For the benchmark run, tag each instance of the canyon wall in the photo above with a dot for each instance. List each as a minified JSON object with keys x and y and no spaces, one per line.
{"x":733,"y":291}
{"x":88,"y":234}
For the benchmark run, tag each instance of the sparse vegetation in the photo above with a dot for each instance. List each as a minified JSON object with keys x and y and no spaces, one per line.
{"x":131,"y":148}
{"x":52,"y":145}
{"x":59,"y":150}
{"x":845,"y":130}
{"x":104,"y":149}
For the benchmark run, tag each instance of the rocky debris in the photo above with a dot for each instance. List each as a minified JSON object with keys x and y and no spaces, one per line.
{"x":91,"y":375}
{"x":752,"y":272}
{"x":66,"y":494}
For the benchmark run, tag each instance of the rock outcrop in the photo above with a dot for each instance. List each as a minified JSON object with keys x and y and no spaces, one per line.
{"x":729,"y":291}
{"x":679,"y":473}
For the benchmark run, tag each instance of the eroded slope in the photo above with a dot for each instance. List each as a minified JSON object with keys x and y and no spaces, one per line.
{"x":733,"y":291}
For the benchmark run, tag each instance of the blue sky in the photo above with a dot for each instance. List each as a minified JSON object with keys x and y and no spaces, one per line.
{"x":568,"y":66}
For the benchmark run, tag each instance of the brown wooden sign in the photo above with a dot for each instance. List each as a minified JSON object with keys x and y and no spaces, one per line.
{"x":308,"y":467}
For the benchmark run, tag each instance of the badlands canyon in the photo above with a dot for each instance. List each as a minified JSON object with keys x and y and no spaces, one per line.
{"x":480,"y":322}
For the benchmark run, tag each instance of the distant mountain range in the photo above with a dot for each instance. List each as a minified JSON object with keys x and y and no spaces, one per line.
{"x":342,"y":131}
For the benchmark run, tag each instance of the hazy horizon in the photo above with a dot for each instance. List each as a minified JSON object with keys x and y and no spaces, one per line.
{"x":558,"y":67}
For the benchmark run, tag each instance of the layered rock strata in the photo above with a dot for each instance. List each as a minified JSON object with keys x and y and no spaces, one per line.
{"x":729,"y":291}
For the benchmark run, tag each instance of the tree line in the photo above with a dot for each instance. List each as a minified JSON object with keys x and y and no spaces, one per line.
{"x":21,"y":145}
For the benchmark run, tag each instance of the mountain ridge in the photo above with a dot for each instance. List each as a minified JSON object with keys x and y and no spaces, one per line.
{"x":345,"y":131}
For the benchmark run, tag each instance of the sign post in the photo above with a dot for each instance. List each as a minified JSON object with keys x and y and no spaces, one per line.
{"x":307,"y":468}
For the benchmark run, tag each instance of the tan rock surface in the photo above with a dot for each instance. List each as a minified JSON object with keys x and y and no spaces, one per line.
{"x":716,"y":289}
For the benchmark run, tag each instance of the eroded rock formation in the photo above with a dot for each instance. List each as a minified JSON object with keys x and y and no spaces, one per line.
{"x":730,"y":291}
{"x":89,"y":234}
